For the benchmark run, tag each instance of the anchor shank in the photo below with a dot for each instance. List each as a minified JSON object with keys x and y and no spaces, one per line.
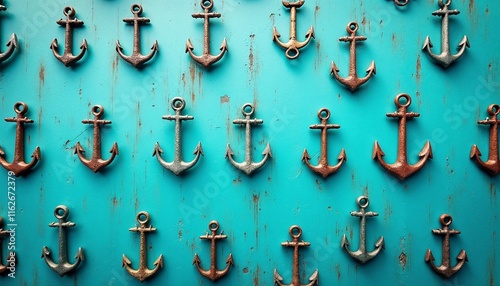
{"x":445,"y":38}
{"x":248,"y":142}
{"x":68,"y":44}
{"x":177,"y":143}
{"x":97,"y":140}
{"x":143,"y":260}
{"x":362,"y":232}
{"x":493,"y":156}
{"x":63,"y":255}
{"x":213,"y":255}
{"x":293,"y":23}
{"x":19,"y":147}
{"x":295,"y":269}
{"x":137,"y":38}
{"x":402,"y":156}
{"x":446,"y":248}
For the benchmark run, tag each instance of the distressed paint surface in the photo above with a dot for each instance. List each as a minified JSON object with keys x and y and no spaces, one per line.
{"x":255,"y":212}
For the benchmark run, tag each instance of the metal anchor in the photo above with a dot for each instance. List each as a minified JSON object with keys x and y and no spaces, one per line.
{"x":445,"y":268}
{"x":206,"y":59}
{"x":71,"y":21}
{"x":445,"y":58}
{"x":293,"y":45}
{"x":96,"y":163}
{"x":18,"y":166}
{"x":63,"y":267}
{"x":248,"y":166}
{"x":11,"y":44}
{"x":3,"y":234}
{"x":178,"y":166}
{"x":353,"y":81}
{"x":401,"y":168}
{"x":295,"y":231}
{"x":361,"y":254}
{"x":142,"y":273}
{"x":493,"y":163}
{"x":323,"y":168}
{"x":213,"y":273}
{"x":136,"y":59}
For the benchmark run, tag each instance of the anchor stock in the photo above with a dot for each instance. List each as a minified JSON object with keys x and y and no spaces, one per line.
{"x":12,"y":43}
{"x":206,"y":59}
{"x":136,"y":59}
{"x":67,"y":58}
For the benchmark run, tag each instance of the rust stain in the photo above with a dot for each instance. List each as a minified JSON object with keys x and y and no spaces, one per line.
{"x":245,"y":270}
{"x":419,"y":66}
{"x":114,"y":201}
{"x":41,"y":75}
{"x":471,"y":6}
{"x":402,"y":259}
{"x":318,"y":183}
{"x":237,"y":181}
{"x":192,"y":72}
{"x":256,"y":277}
{"x":493,"y":191}
{"x":337,"y":268}
{"x":250,"y":55}
{"x":224,"y":99}
{"x":180,"y":234}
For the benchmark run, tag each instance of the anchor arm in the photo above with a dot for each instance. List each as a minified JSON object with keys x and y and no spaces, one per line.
{"x":12,"y":44}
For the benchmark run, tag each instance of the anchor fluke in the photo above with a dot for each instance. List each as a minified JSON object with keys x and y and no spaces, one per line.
{"x":12,"y":43}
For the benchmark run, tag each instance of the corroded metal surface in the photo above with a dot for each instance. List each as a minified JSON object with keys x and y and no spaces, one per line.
{"x":12,"y":43}
{"x":361,"y":254}
{"x":323,"y":168}
{"x":143,"y":272}
{"x":63,"y":267}
{"x":137,"y":59}
{"x":213,"y":273}
{"x":178,"y":166}
{"x":206,"y":59}
{"x":18,"y":165}
{"x":248,"y":166}
{"x":293,"y":45}
{"x":445,"y":268}
{"x":295,"y":232}
{"x":492,"y":165}
{"x":68,"y":58}
{"x":445,"y":58}
{"x":401,"y":168}
{"x":97,"y":162}
{"x":352,"y":80}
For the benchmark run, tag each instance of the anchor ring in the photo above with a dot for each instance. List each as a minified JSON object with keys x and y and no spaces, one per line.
{"x":324,"y":114}
{"x":295,"y":231}
{"x":213,"y":225}
{"x":445,"y":219}
{"x":178,"y":104}
{"x":401,"y":2}
{"x":136,"y":9}
{"x":442,"y":4}
{"x":97,"y":110}
{"x":352,"y":27}
{"x":494,"y":109}
{"x":404,"y":95}
{"x":61,"y":212}
{"x":69,"y":11}
{"x":207,"y":7}
{"x":363,"y":202}
{"x":20,"y":107}
{"x":249,"y":113}
{"x":294,"y":54}
{"x":139,"y":217}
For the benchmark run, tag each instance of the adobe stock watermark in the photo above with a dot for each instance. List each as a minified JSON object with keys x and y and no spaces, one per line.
{"x":45,"y":13}
{"x":10,"y":233}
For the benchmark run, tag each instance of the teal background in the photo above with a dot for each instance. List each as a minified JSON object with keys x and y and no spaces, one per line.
{"x":257,"y":211}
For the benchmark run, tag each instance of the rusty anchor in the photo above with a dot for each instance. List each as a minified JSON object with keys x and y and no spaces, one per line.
{"x":492,"y":166}
{"x":11,"y":44}
{"x":213,"y":273}
{"x":445,"y":58}
{"x":445,"y":268}
{"x":177,"y":166}
{"x":248,"y":166}
{"x":3,"y":234}
{"x":63,"y":267}
{"x":97,"y":162}
{"x":293,"y":45}
{"x":143,"y":272}
{"x":401,"y":168}
{"x":71,"y":21}
{"x":323,"y":168}
{"x":295,"y":232}
{"x":361,"y":254}
{"x":136,"y":59}
{"x":18,"y":166}
{"x":353,"y":81}
{"x":206,"y":59}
